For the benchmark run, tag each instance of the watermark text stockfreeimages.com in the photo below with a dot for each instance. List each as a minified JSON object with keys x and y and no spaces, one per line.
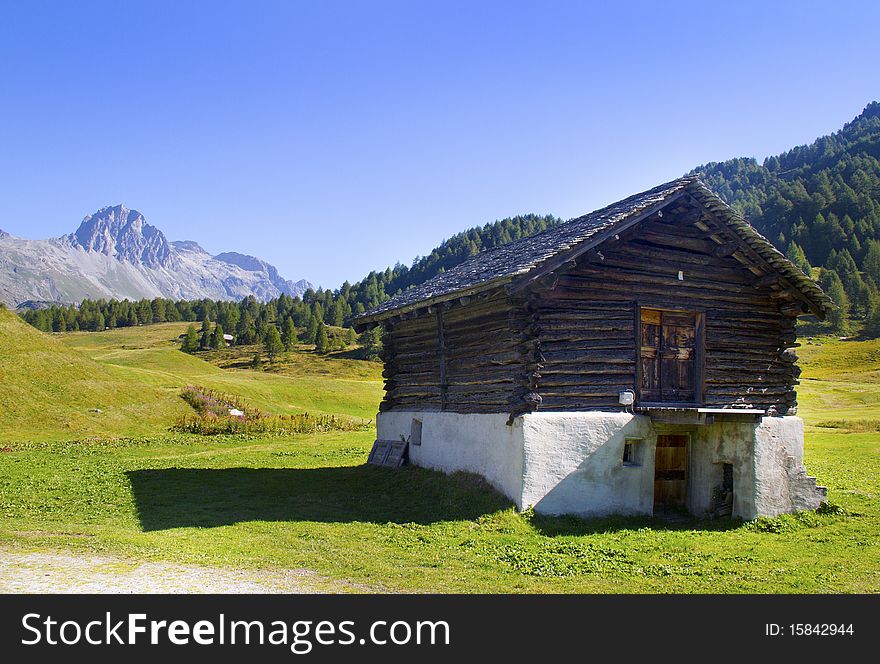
{"x":301,"y":636}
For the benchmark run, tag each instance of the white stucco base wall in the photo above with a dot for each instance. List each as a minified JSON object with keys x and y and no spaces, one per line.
{"x":781,"y":481}
{"x":572,"y":463}
{"x":477,"y":443}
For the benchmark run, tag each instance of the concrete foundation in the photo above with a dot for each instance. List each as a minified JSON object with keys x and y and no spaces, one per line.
{"x":572,"y":463}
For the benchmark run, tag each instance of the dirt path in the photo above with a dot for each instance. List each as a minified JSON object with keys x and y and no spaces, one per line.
{"x":56,"y":572}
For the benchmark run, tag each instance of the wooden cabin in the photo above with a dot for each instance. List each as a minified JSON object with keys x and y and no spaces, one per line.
{"x":637,"y":359}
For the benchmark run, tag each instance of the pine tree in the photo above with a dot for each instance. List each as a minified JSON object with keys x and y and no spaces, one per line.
{"x":205,"y":341}
{"x":288,"y":336}
{"x":322,"y":341}
{"x":217,"y":340}
{"x":190,"y":342}
{"x":272,"y":341}
{"x":833,"y":287}
{"x":872,"y":262}
{"x":872,"y":323}
{"x":158,"y":310}
{"x":371,"y":343}
{"x":58,"y":322}
{"x":245,"y":332}
{"x":312,"y":330}
{"x":796,"y":255}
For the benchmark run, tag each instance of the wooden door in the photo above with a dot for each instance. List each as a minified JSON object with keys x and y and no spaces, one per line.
{"x":670,"y":471}
{"x":668,"y":347}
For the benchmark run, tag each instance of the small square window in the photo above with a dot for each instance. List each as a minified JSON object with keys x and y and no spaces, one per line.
{"x":631,"y":452}
{"x":415,"y":432}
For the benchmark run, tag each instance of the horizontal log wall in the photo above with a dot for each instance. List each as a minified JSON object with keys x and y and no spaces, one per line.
{"x":586,"y":322}
{"x":469,"y":368}
{"x":412,"y":369}
{"x":481,"y":355}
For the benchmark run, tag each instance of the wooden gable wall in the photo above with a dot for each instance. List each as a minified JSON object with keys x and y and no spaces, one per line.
{"x":588,"y":320}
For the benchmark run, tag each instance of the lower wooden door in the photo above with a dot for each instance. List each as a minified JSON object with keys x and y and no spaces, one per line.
{"x":670,"y":471}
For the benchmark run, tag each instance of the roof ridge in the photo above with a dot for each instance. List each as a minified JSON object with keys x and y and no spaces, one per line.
{"x":684,"y":181}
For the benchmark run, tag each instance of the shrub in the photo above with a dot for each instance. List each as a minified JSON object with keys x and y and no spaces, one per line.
{"x":212,"y":417}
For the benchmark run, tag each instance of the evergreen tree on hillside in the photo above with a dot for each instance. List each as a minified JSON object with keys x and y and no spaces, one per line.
{"x":144,"y":311}
{"x":245,"y":332}
{"x":371,"y":343}
{"x":190,"y":343}
{"x":833,"y":287}
{"x":872,"y":322}
{"x":796,"y":255}
{"x":312,"y":331}
{"x":58,"y":322}
{"x":322,"y":341}
{"x":856,"y":289}
{"x":872,"y":263}
{"x":217,"y":340}
{"x":157,"y":306}
{"x":205,"y":341}
{"x":272,"y":341}
{"x":288,"y":335}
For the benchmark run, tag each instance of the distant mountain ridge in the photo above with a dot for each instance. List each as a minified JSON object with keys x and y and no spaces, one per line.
{"x":115,"y":253}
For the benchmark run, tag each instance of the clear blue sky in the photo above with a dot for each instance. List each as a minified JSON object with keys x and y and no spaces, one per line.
{"x":331,"y":138}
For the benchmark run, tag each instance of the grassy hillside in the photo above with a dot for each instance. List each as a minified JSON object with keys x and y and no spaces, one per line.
{"x":299,"y":381}
{"x":51,"y":391}
{"x":55,"y":385}
{"x":840,"y":384}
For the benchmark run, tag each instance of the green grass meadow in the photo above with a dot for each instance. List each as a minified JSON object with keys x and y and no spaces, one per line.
{"x":120,"y":482}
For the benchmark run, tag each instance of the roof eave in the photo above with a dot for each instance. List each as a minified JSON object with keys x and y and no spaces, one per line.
{"x":807,"y":290}
{"x":366,"y":321}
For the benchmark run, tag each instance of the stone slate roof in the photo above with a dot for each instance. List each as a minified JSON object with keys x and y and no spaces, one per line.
{"x":503,"y":264}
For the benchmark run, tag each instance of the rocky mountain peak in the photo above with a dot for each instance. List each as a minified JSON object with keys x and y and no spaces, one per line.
{"x":125,"y":234}
{"x":254,"y":264}
{"x":188,"y":245}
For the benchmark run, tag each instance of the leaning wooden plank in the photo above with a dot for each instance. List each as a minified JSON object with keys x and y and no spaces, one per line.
{"x":378,"y":453}
{"x":396,"y":454}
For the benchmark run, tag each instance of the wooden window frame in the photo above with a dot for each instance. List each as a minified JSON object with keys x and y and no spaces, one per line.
{"x":699,"y":352}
